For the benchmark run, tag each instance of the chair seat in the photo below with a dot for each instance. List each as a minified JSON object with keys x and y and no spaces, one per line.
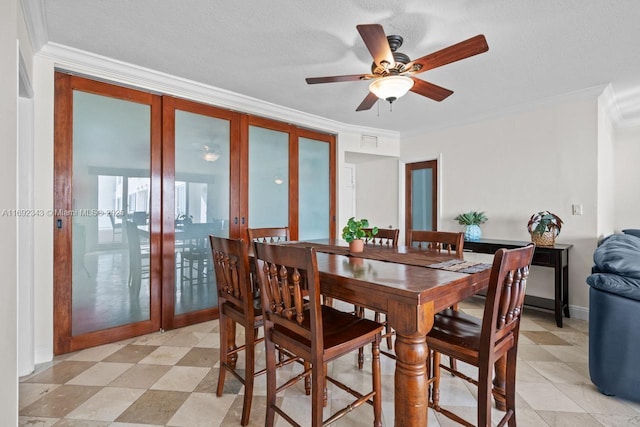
{"x":457,"y":328}
{"x":339,"y":328}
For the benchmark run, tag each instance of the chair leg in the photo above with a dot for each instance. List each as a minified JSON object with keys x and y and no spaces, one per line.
{"x":223,"y":354}
{"x":389,"y":333}
{"x":484,"y":395}
{"x":510,"y":392}
{"x":307,"y":379}
{"x":270,"y":351}
{"x":317,"y":393}
{"x":377,"y":384}
{"x":435,"y":388}
{"x":249,"y":352}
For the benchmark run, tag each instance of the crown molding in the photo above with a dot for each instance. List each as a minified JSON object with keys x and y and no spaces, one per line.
{"x":99,"y":67}
{"x":36,"y":22}
{"x":589,"y":93}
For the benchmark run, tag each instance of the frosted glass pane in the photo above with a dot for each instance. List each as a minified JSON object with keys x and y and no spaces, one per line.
{"x":313,"y":195}
{"x":202,"y":161}
{"x":421,"y":197}
{"x":111,"y":147}
{"x":268,"y":178}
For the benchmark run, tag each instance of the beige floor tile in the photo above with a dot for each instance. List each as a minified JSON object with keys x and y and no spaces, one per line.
{"x":567,"y":353}
{"x":165,"y":355}
{"x":154,"y":407}
{"x":130,"y":353}
{"x":208,"y":340}
{"x":101,"y":374}
{"x":29,"y":393}
{"x":589,"y":398}
{"x":529,"y":418}
{"x":61,"y":372}
{"x":96,"y":354}
{"x":37,"y":421}
{"x":533,"y":352}
{"x":203,"y":409}
{"x":67,"y":422}
{"x":140,"y":376}
{"x":547,"y":397}
{"x":618,"y":420}
{"x":183,"y":339}
{"x":565,"y":419}
{"x":543,"y":338}
{"x":107,"y":404}
{"x":60,"y":401}
{"x":181,"y":378}
{"x":526,"y":373}
{"x":201,"y":357}
{"x":559,"y":372}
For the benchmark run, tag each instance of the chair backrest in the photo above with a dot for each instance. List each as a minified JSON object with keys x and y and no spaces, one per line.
{"x":443,"y":241}
{"x":505,"y":296}
{"x":285,"y":274}
{"x":384,"y":237}
{"x":231,"y":265}
{"x":268,"y":235}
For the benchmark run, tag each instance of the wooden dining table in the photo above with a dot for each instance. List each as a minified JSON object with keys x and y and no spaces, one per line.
{"x":410,"y":286}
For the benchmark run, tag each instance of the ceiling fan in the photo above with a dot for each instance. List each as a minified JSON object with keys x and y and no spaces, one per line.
{"x":392,"y":71}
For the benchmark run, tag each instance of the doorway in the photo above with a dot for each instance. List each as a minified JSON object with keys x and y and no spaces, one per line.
{"x":421,"y":195}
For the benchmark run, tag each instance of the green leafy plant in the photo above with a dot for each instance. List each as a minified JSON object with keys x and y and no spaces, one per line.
{"x":471,"y":218}
{"x":543,"y":221}
{"x":354,"y":230}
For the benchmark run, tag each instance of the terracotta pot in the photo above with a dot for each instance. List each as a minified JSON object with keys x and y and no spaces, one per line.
{"x":356,"y":246}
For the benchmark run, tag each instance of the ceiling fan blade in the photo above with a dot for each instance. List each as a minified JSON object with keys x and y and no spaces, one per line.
{"x":430,"y":90}
{"x":333,"y":79}
{"x":368,"y":102}
{"x":465,"y":49}
{"x":376,"y":41}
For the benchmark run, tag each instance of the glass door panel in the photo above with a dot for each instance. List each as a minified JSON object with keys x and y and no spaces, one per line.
{"x":313,"y":189}
{"x":268,"y":178}
{"x":110,"y":267}
{"x":202,"y":205}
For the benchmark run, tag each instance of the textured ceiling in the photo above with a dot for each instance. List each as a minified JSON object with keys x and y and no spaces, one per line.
{"x":538,"y":49}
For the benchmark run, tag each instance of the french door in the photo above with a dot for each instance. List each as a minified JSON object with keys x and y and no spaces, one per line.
{"x":142,"y":180}
{"x":421,"y":197}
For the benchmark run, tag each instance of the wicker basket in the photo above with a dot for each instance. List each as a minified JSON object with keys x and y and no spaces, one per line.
{"x":548,"y":238}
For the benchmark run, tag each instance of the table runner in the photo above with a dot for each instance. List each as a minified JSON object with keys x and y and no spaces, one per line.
{"x":417,"y":258}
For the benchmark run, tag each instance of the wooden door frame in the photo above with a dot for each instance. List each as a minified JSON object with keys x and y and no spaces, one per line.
{"x":409,"y":167}
{"x":64,"y":341}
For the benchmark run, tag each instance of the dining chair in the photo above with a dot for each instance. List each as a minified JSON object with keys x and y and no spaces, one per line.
{"x":268,"y":234}
{"x":303,"y":326}
{"x":138,"y":268}
{"x":441,"y":241}
{"x":116,"y":227}
{"x":385,"y":237}
{"x":194,"y":253}
{"x":238,"y":303}
{"x":482,"y":342}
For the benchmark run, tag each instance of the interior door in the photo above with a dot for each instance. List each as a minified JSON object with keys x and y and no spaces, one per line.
{"x":421,"y":197}
{"x":107,"y":164}
{"x":200,"y":170}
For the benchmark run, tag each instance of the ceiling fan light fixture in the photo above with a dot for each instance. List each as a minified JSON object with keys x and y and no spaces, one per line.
{"x":391,"y":88}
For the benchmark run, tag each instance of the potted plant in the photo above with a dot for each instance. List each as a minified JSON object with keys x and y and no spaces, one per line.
{"x":471,"y":221}
{"x":544,"y":227}
{"x":354,"y":232}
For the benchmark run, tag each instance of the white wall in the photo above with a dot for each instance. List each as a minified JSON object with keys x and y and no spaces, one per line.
{"x":377,"y":192}
{"x":8,"y":224}
{"x":606,"y":166}
{"x":627,"y":178}
{"x":513,"y":166}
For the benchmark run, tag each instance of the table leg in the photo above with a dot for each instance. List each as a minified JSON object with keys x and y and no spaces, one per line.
{"x":558,"y":295}
{"x":565,"y":289}
{"x":411,"y":323}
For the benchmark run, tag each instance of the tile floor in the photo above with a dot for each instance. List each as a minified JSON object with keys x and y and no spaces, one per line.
{"x":169,"y":379}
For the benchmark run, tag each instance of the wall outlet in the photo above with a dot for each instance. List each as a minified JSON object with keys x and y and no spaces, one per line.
{"x":576,"y":209}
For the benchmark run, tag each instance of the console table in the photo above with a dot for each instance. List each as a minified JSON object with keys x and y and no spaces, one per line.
{"x":556,"y":257}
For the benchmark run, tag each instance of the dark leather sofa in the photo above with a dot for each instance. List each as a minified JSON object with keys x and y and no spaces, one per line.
{"x":614,"y":316}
